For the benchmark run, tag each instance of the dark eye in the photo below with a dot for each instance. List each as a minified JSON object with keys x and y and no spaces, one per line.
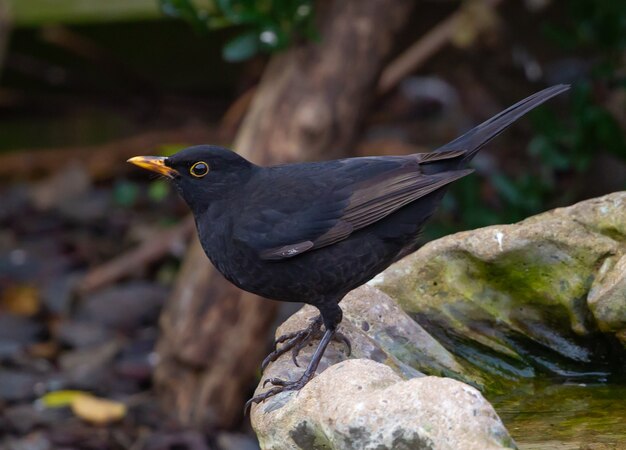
{"x":199,"y":169}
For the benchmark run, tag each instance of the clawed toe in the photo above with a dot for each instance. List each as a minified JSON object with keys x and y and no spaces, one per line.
{"x":293,"y":342}
{"x":297,"y":340}
{"x":276,"y":382}
{"x":279,"y":386}
{"x":296,"y":350}
{"x":262,"y":397}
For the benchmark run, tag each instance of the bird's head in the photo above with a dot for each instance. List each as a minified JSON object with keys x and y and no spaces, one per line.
{"x":201,"y":174}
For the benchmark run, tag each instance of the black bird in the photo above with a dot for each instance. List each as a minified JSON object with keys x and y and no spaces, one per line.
{"x":312,"y":232}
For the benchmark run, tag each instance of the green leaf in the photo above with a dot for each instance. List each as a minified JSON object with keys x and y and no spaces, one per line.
{"x":241,"y":48}
{"x":59,"y":399}
{"x":241,"y":12}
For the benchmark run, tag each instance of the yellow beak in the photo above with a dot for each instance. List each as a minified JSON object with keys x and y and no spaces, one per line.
{"x":154,"y":164}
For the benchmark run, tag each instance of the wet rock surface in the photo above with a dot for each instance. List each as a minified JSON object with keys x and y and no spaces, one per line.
{"x":546,"y":295}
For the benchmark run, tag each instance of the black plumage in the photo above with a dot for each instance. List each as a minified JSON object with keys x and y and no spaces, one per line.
{"x":311,"y":232}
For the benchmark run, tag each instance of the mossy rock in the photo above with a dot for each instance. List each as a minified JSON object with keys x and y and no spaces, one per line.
{"x":547,"y":294}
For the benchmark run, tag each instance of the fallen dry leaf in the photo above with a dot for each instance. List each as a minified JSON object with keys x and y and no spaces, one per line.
{"x":98,"y":411}
{"x":21,"y":300}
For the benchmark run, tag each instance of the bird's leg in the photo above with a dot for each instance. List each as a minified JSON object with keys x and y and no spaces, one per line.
{"x":297,"y":340}
{"x":282,"y":385}
{"x":331,"y":316}
{"x":337,"y":337}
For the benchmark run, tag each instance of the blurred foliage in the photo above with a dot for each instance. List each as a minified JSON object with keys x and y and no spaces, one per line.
{"x":564,"y":144}
{"x":125,"y":193}
{"x":159,"y":190}
{"x":594,"y":25}
{"x":44,"y":12}
{"x":262,"y":25}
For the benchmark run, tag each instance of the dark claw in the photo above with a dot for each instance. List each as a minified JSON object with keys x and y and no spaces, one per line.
{"x":296,"y":350}
{"x":295,"y":341}
{"x":292,"y":340}
{"x":280,"y":386}
{"x":294,"y":356}
{"x":288,"y":337}
{"x":262,"y":397}
{"x":275,"y":382}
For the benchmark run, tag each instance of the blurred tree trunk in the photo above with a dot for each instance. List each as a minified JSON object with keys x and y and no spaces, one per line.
{"x":309,"y":105}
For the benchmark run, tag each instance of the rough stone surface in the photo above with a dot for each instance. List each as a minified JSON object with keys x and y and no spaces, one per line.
{"x":378,"y":330}
{"x":607,"y":297}
{"x":362,"y":404}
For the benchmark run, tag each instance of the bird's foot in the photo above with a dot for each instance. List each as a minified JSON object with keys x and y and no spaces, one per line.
{"x":282,"y":385}
{"x":297,"y":340}
{"x":279,"y":386}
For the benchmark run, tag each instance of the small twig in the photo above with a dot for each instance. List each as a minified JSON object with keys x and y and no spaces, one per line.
{"x":151,"y":250}
{"x":420,"y":51}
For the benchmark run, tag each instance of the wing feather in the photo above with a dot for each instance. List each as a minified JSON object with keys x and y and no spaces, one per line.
{"x":369,"y":207}
{"x":364,"y":202}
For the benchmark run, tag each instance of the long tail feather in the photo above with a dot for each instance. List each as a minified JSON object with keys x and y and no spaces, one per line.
{"x":475,"y":139}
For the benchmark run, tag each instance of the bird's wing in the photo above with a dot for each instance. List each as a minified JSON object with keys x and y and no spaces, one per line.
{"x":334,"y":200}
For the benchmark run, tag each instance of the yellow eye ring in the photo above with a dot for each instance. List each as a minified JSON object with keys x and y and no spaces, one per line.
{"x":199,"y":169}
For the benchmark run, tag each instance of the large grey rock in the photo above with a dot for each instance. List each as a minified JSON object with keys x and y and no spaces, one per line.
{"x":489,"y":307}
{"x":362,"y":404}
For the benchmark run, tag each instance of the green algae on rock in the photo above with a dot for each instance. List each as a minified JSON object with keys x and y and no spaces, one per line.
{"x":545,"y":295}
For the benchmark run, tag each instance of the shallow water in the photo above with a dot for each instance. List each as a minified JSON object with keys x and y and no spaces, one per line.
{"x":545,"y":416}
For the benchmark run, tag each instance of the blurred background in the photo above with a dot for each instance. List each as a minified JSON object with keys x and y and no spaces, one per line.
{"x":114,"y":330}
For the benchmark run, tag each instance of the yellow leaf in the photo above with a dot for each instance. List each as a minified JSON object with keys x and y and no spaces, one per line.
{"x":21,"y":300}
{"x":98,"y":411}
{"x":59,"y":399}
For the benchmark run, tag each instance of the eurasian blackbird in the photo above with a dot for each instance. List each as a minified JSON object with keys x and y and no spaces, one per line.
{"x":312,"y":232}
